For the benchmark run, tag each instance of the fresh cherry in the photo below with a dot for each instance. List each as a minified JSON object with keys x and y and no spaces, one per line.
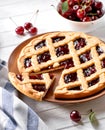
{"x":88,"y":9}
{"x":70,"y":2}
{"x":33,"y":30}
{"x":98,"y":5}
{"x":75,"y":116}
{"x":28,"y":25}
{"x":87,"y":19}
{"x":19,"y":30}
{"x":81,"y":13}
{"x":94,"y":18}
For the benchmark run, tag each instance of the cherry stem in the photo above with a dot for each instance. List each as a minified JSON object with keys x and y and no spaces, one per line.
{"x":36,"y":14}
{"x":12,"y":21}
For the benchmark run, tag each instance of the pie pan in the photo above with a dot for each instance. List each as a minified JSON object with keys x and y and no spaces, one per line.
{"x":12,"y":67}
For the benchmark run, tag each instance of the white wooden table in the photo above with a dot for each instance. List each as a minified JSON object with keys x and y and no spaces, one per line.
{"x":55,"y":115}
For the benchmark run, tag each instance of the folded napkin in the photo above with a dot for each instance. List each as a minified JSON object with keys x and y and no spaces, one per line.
{"x":14,"y":113}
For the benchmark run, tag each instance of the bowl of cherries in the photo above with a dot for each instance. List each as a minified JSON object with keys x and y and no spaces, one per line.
{"x":82,"y":15}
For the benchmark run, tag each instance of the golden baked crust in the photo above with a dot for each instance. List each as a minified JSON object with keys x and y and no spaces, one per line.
{"x":84,"y":77}
{"x":26,"y":85}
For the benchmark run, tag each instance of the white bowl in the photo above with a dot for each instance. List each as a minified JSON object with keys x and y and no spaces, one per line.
{"x":82,"y":26}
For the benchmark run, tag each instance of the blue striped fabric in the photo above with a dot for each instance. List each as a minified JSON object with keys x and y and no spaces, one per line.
{"x":14,"y":113}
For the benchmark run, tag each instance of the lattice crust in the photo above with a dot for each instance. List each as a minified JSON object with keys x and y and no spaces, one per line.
{"x":32,"y":85}
{"x":84,"y":79}
{"x":54,"y":62}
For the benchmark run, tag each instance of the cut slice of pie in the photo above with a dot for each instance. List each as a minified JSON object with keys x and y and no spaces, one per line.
{"x":32,"y":85}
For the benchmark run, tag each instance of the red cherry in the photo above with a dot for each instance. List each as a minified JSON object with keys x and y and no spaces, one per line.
{"x":81,"y":13}
{"x":100,"y":13}
{"x":19,"y":30}
{"x":28,"y":25}
{"x":94,"y":17}
{"x":70,"y":3}
{"x":68,"y":13}
{"x":75,"y":116}
{"x":33,"y":30}
{"x":98,"y":5}
{"x":88,"y":9}
{"x":87,"y":19}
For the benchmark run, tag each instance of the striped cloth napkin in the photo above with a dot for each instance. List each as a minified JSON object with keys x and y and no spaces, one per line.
{"x":14,"y":113}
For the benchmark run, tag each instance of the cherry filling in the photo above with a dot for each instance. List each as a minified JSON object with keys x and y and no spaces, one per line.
{"x":67,"y":63}
{"x":62,"y":50}
{"x":27,"y":62}
{"x":19,"y":77}
{"x":40,"y":45}
{"x":76,"y":88}
{"x":38,"y":76}
{"x":79,"y":43}
{"x":99,"y":50}
{"x":70,"y":77}
{"x":103,"y":63}
{"x":93,"y":82}
{"x":90,"y":70}
{"x":39,"y":87}
{"x":85,"y":57}
{"x":43,"y":57}
{"x":57,"y":39}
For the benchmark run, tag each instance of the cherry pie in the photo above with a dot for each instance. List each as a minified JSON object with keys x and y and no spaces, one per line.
{"x":80,"y":57}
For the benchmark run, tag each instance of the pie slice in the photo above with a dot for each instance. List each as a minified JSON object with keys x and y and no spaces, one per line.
{"x":32,"y":85}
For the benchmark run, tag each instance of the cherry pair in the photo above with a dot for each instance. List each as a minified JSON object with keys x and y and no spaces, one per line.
{"x":27,"y":26}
